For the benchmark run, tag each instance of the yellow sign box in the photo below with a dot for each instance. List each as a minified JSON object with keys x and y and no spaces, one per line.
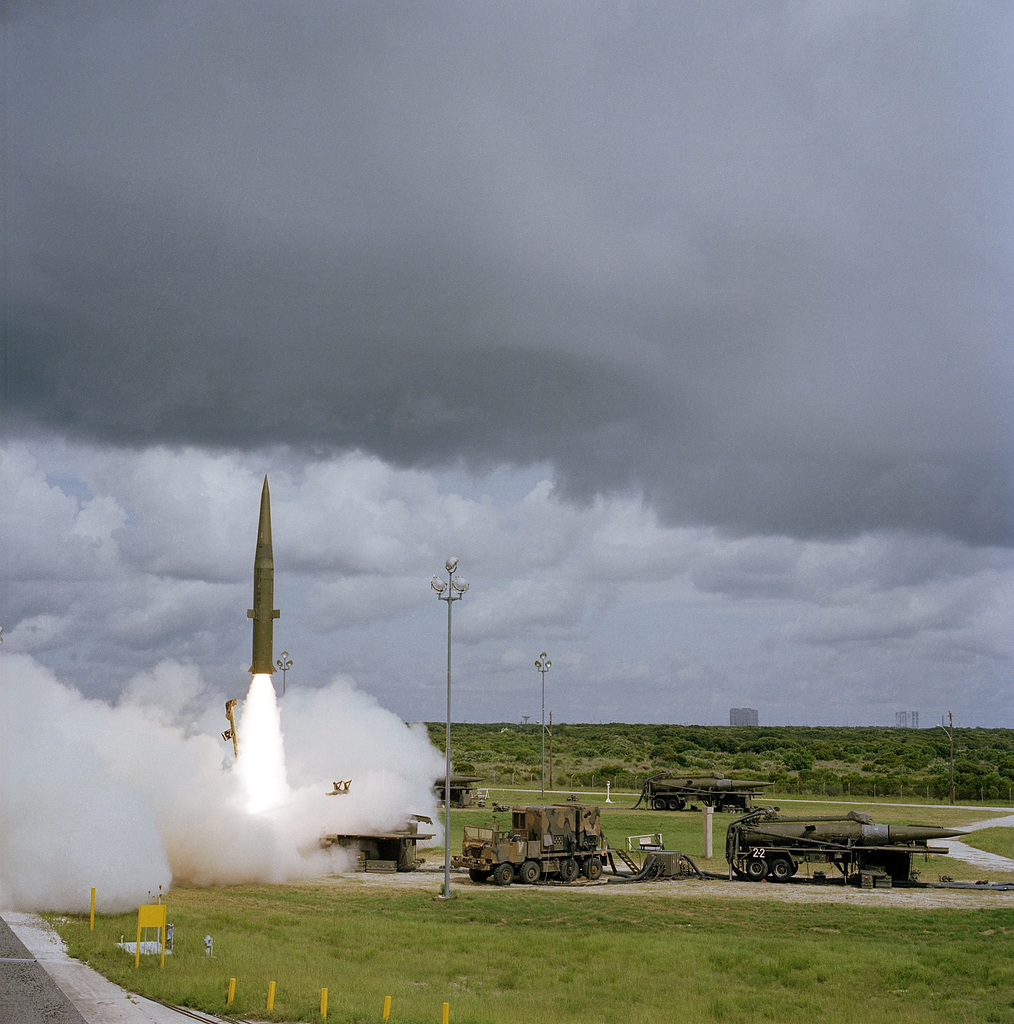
{"x":150,"y":915}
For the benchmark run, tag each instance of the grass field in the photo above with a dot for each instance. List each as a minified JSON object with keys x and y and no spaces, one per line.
{"x":995,"y":840}
{"x":558,"y":954}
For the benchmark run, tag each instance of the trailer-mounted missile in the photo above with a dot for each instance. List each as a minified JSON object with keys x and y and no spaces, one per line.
{"x":766,"y":844}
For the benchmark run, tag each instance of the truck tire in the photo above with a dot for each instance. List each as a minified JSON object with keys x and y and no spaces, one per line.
{"x":782,"y":869}
{"x":756,"y":869}
{"x":593,"y":868}
{"x":530,"y":872}
{"x":659,"y":804}
{"x":569,"y":869}
{"x":503,"y":874}
{"x":478,"y":874}
{"x":675,"y":805}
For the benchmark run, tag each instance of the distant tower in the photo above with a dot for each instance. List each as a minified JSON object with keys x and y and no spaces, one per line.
{"x":901,"y":719}
{"x":742,"y":716}
{"x":913,"y":719}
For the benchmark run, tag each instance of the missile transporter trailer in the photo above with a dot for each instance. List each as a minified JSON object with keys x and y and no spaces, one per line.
{"x":559,"y":842}
{"x":767,"y":845}
{"x":665,"y":791}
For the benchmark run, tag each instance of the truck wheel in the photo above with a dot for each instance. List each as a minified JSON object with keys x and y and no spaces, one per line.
{"x":593,"y":868}
{"x":478,"y":874}
{"x":569,"y":869}
{"x":503,"y":874}
{"x":530,"y":872}
{"x":659,"y":804}
{"x":782,"y":869}
{"x":675,"y":805}
{"x":756,"y":869}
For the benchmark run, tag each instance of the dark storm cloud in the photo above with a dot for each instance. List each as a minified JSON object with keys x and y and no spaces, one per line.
{"x":755,"y":265}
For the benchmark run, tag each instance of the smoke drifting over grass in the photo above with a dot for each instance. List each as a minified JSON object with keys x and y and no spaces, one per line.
{"x":131,"y":797}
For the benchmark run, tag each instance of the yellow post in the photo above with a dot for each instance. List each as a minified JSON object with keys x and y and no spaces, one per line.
{"x":232,"y":992}
{"x":387,"y":1007}
{"x":447,"y":1012}
{"x":271,"y":995}
{"x":91,"y":923}
{"x":323,"y":1002}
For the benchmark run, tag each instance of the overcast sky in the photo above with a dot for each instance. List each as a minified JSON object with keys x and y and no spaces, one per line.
{"x":686,"y":326}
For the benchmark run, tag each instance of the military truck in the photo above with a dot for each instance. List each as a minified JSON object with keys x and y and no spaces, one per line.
{"x":766,"y":844}
{"x":557,"y":841}
{"x":666,"y":791}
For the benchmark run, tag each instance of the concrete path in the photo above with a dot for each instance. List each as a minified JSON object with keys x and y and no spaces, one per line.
{"x":28,"y":995}
{"x":980,"y":858}
{"x":56,"y":989}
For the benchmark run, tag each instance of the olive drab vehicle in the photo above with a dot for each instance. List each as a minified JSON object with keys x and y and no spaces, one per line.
{"x":667,"y":791}
{"x":766,"y":844}
{"x":559,"y":841}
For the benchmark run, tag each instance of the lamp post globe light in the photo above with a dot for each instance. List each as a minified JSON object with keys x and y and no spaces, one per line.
{"x":450,"y":591}
{"x":284,"y":663}
{"x":542,"y":663}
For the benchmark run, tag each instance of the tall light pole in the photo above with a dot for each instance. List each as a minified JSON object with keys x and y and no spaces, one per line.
{"x":949,"y":729}
{"x":451,"y":591}
{"x":542,"y":663}
{"x":284,"y":663}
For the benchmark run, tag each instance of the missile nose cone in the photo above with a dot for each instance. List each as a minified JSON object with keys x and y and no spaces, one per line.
{"x":263,"y":612}
{"x":921,"y":833}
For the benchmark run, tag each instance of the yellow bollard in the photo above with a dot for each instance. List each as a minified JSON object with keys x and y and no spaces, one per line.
{"x":323,"y":1002}
{"x":447,"y":1012}
{"x":387,"y":1007}
{"x":91,"y":924}
{"x":232,"y":992}
{"x":271,"y":995}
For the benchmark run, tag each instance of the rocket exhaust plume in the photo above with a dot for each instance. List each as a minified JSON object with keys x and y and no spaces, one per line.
{"x":260,"y":763}
{"x":262,"y":613}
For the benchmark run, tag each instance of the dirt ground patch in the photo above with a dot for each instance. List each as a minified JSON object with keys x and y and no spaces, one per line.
{"x":696,"y":889}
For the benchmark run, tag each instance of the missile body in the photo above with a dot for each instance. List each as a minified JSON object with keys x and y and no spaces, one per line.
{"x":262,"y":613}
{"x":854,"y":829}
{"x":766,"y":844}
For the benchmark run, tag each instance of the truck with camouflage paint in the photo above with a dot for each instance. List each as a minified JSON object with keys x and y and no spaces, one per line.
{"x":557,"y":841}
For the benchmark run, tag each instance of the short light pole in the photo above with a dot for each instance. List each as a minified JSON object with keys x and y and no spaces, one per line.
{"x":284,"y":663}
{"x":949,"y":729}
{"x":451,"y":591}
{"x":543,"y":664}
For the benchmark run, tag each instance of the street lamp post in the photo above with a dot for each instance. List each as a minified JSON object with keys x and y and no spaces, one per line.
{"x":284,"y":663}
{"x":542,"y":663}
{"x":949,"y":729}
{"x":451,"y":591}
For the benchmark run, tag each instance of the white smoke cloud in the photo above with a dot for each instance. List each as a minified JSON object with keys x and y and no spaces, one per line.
{"x":143,"y":794}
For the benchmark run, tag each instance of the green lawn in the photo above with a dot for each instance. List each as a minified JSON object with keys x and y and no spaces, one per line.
{"x":563,"y":955}
{"x":994,"y":840}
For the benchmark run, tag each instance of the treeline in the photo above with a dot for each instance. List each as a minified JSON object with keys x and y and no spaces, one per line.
{"x":834,"y":761}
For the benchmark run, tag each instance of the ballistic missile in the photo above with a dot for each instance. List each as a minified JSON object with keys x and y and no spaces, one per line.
{"x":262,"y":613}
{"x":768,"y":828}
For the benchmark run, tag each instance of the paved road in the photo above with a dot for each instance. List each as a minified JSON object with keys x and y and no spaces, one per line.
{"x":28,"y":995}
{"x":54,"y":989}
